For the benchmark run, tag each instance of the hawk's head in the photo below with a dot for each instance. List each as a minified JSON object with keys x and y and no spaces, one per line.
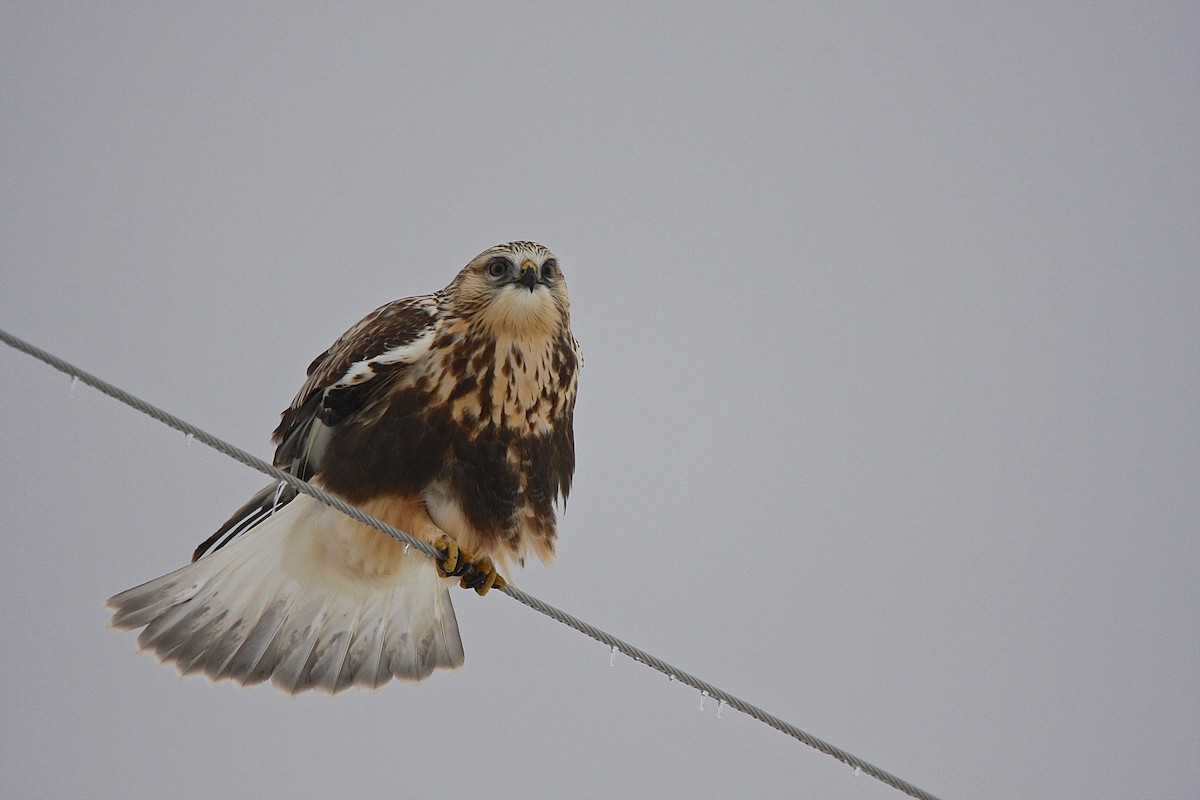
{"x":514,"y":289}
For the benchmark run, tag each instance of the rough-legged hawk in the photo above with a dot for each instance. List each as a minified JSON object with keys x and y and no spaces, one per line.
{"x":446,"y":415}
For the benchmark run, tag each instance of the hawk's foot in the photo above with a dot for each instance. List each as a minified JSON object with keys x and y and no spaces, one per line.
{"x":475,"y":573}
{"x":453,"y":561}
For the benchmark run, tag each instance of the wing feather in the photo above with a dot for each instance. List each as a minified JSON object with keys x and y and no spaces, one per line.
{"x":344,"y":376}
{"x":340,"y":382}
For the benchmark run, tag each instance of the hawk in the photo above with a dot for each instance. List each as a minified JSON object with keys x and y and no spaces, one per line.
{"x":448,"y":416}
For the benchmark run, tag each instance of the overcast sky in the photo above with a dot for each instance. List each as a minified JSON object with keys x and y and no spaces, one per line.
{"x":888,"y":422}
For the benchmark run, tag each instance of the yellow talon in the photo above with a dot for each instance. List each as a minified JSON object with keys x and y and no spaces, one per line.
{"x":452,"y":561}
{"x":482,"y":577}
{"x":478,"y":574}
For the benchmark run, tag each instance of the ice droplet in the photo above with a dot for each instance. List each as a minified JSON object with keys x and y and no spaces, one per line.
{"x":188,"y":439}
{"x":406,"y":546}
{"x":857,"y":771}
{"x":612,"y":656}
{"x":703,"y":697}
{"x":672,"y":678}
{"x":74,"y":383}
{"x":720,"y":705}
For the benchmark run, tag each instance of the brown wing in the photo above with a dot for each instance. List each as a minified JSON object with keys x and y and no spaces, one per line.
{"x":342,"y":378}
{"x":340,"y":381}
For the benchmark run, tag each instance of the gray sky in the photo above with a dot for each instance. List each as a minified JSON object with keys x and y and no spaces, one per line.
{"x":888,"y":422}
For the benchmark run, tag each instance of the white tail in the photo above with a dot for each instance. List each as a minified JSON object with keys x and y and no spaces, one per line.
{"x":308,"y":598}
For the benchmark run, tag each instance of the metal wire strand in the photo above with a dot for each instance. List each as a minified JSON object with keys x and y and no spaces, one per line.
{"x":637,"y":654}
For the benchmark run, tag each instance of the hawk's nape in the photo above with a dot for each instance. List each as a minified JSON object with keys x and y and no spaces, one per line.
{"x":448,"y":416}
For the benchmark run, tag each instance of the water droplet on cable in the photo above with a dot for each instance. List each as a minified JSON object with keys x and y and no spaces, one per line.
{"x":74,"y":383}
{"x":720,"y":705}
{"x":857,"y":771}
{"x":703,"y":697}
{"x":406,"y":546}
{"x":612,"y":656}
{"x":188,"y":439}
{"x":672,"y":678}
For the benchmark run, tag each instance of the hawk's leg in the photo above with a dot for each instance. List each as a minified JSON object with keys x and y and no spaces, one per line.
{"x":476,"y":573}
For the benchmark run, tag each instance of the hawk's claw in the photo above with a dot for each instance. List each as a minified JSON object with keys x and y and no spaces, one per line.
{"x":482,"y":576}
{"x":478,"y":574}
{"x":454,"y":560}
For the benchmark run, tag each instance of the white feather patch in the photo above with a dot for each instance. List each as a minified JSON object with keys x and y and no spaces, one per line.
{"x":364,"y":370}
{"x":309,"y":598}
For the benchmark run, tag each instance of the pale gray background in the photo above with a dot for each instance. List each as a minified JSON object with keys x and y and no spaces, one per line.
{"x":888,"y":422}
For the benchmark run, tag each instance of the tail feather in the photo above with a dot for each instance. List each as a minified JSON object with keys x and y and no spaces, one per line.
{"x":330,"y":655}
{"x":308,"y":599}
{"x":295,"y":643}
{"x":365,"y":651}
{"x":144,"y":604}
{"x":243,"y":665}
{"x":193,"y":654}
{"x":401,"y":650}
{"x":229,"y":639}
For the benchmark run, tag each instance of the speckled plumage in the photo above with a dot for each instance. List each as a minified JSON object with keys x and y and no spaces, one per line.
{"x":449,"y":413}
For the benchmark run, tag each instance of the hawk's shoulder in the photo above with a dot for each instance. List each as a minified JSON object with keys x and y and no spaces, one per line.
{"x":342,"y":378}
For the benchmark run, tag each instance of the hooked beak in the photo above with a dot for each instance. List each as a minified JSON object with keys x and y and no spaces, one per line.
{"x":529,"y":275}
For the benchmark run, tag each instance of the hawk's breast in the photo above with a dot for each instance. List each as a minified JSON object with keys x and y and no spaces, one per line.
{"x":480,"y":430}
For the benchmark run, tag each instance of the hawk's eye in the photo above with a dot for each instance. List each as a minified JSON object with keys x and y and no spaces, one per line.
{"x":498,"y":267}
{"x":549,"y":269}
